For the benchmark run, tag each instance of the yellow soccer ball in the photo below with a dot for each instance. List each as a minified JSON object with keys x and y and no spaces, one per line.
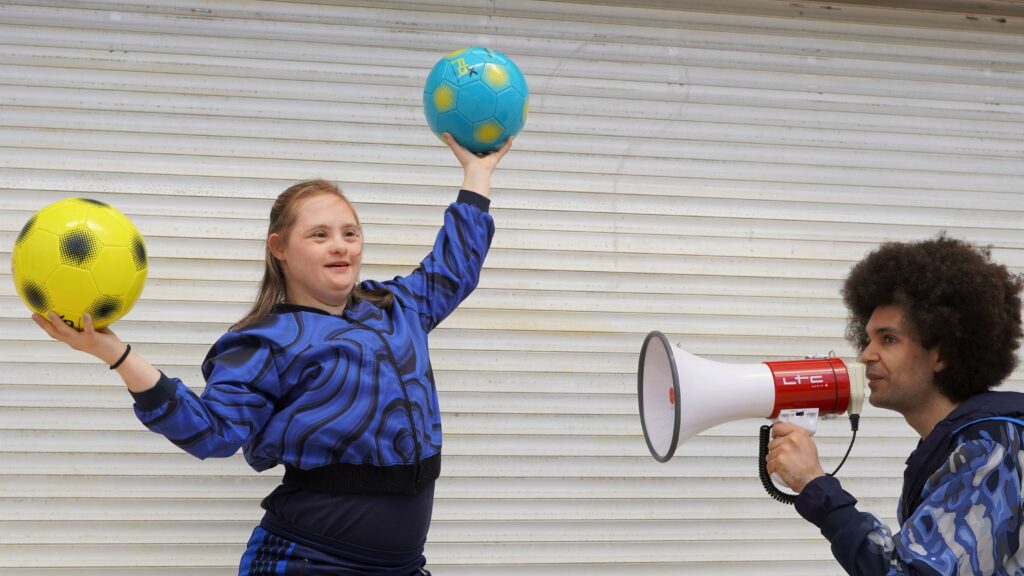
{"x":79,"y":256}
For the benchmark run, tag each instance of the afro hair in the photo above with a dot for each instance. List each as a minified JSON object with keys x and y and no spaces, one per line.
{"x":954,"y":297}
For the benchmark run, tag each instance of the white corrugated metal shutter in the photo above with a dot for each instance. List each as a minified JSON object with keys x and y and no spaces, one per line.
{"x":709,"y":170}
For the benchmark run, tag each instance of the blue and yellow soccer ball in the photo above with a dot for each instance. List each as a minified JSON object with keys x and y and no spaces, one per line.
{"x":479,"y":96}
{"x":79,"y":256}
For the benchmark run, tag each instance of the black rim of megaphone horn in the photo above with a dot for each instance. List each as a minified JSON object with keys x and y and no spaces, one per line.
{"x":654,"y":334}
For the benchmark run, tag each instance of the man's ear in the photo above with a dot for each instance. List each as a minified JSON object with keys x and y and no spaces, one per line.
{"x":275,"y":243}
{"x":935,"y":355}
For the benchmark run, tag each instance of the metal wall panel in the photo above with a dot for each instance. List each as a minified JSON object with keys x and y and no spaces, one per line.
{"x":707,"y":169}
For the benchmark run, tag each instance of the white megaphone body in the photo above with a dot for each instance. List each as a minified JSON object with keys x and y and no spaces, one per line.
{"x":682,"y":395}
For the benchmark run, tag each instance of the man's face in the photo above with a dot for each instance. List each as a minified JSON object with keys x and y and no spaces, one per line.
{"x":901,"y":372}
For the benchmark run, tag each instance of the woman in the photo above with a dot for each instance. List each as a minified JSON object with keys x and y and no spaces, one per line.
{"x":328,"y":376}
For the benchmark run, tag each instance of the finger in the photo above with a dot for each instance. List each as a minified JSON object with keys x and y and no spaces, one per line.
{"x":500,"y":153}
{"x":782,"y":429}
{"x":45,"y":325}
{"x":87,"y":325}
{"x":64,"y":332}
{"x":463,"y":155}
{"x":55,"y":320}
{"x":779,"y":430}
{"x":454,"y":144}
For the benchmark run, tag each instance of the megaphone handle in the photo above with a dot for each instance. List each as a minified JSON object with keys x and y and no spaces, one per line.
{"x":762,"y":468}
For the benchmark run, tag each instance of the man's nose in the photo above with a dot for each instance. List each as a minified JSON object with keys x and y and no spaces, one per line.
{"x":868,"y":355}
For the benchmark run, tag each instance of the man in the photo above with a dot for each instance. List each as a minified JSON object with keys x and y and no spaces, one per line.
{"x":937,"y":324}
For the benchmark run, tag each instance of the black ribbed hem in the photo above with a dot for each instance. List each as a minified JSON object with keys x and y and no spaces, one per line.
{"x":156,"y":396}
{"x":342,"y":478}
{"x":478,"y":200}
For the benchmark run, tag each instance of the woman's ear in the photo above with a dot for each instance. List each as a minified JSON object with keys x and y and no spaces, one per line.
{"x":275,"y":243}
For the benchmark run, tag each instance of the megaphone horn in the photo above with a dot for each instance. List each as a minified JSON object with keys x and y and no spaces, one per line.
{"x":682,"y":395}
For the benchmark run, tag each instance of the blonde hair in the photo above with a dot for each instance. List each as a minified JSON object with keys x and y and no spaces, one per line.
{"x":282,"y":217}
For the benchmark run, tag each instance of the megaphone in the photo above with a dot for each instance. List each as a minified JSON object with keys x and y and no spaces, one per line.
{"x":682,"y":395}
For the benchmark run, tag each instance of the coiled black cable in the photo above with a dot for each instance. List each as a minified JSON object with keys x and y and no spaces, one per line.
{"x":762,"y":469}
{"x":762,"y":465}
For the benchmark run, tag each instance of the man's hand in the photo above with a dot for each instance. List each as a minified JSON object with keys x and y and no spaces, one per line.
{"x":793,"y":456}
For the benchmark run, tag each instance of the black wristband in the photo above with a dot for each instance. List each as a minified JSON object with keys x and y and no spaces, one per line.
{"x":121,"y":359}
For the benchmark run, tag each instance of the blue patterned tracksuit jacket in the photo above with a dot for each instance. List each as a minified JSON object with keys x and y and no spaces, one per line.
{"x":354,"y":392}
{"x":961,"y":508}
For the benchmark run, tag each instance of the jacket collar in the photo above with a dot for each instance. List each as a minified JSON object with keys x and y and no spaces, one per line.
{"x":933,"y":450}
{"x":356,"y":308}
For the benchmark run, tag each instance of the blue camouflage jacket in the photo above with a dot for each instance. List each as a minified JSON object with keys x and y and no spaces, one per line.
{"x":354,"y":392}
{"x":961,"y":507}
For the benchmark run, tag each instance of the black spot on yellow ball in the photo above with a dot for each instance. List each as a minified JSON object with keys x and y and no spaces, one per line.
{"x":26,"y":230}
{"x":105,"y":307}
{"x":94,"y":202}
{"x":139,"y":252}
{"x":79,"y":247}
{"x":36,"y":296}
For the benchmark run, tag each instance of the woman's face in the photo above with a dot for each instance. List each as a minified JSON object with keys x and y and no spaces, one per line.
{"x":320,"y":253}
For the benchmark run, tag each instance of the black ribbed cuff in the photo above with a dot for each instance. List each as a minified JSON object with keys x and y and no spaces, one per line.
{"x":156,"y":396}
{"x":838,"y":520}
{"x":824,"y":503}
{"x":470,"y":197}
